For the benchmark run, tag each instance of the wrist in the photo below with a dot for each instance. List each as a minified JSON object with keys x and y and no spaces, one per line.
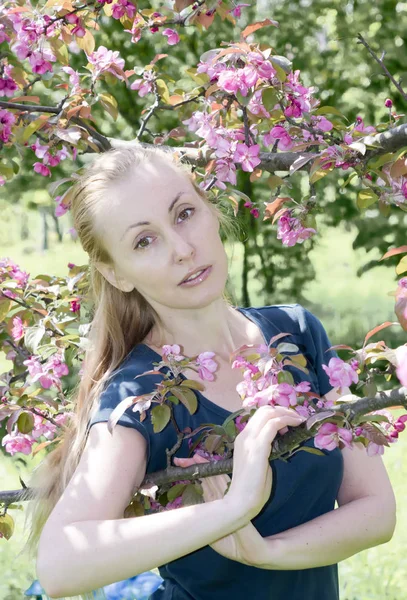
{"x":235,"y":512}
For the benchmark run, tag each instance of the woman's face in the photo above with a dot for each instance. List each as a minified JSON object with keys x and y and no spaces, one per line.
{"x":181,"y":233}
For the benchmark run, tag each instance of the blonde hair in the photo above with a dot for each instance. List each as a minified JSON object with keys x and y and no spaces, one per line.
{"x":120,"y":321}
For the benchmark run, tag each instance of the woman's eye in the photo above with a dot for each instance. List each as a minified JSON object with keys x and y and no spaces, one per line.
{"x":138,"y":246}
{"x":184,"y":210}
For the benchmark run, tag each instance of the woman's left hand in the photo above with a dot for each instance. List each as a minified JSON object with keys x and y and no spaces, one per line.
{"x":244,"y":545}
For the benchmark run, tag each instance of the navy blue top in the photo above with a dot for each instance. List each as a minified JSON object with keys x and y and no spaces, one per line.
{"x":304,"y":487}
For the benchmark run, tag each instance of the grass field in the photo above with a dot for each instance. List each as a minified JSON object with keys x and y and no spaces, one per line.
{"x":347,"y":306}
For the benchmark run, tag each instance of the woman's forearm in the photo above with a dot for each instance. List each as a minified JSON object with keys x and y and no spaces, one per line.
{"x":332,"y":537}
{"x":87,"y":555}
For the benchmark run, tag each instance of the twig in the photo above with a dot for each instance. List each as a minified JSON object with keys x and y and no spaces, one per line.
{"x":382,"y":65}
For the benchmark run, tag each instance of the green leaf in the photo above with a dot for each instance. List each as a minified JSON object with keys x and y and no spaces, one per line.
{"x":311,"y":450}
{"x":195,"y":385}
{"x":33,"y":337}
{"x":7,"y":526}
{"x":25,"y":422}
{"x":187,"y":397}
{"x":287,"y":347}
{"x":366,"y":198}
{"x":163,"y":90}
{"x":109,"y":103}
{"x":176,"y":491}
{"x":285,"y":377}
{"x":329,"y":110}
{"x":160,"y":415}
{"x":192,"y":495}
{"x":269,"y":97}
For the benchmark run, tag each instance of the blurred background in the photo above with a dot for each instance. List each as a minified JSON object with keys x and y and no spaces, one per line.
{"x":336,"y":274}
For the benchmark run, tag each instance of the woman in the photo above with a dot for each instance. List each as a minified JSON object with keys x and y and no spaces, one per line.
{"x":147,"y":227}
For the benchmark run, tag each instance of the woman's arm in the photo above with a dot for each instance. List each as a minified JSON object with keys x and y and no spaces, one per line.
{"x":366,"y":517}
{"x":86,"y":551}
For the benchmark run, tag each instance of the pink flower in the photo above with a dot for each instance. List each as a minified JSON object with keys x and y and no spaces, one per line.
{"x":388,"y":103}
{"x":340,"y":373}
{"x":401,"y":370}
{"x":206,"y":365}
{"x":39,"y":149}
{"x":373,"y":449}
{"x":105,"y":60}
{"x":17,"y":442}
{"x":17,"y":331}
{"x":324,"y":124}
{"x":172,"y":351}
{"x":278,"y":133}
{"x":329,"y":436}
{"x":248,"y":156}
{"x":42,"y":169}
{"x":75,"y":306}
{"x":236,"y":11}
{"x":7,"y":86}
{"x":172,"y":35}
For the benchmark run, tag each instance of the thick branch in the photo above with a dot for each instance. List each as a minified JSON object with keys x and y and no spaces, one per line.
{"x":388,"y":141}
{"x":350,"y":411}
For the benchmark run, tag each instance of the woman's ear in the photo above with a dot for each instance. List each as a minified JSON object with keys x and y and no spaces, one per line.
{"x":110,"y":275}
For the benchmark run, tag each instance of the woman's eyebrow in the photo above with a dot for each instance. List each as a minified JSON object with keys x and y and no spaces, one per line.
{"x":171,"y":206}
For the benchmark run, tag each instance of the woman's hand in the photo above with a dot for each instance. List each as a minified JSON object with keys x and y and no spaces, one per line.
{"x":245,"y":545}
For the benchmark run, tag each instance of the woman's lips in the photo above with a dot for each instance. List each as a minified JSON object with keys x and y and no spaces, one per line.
{"x":204,"y":275}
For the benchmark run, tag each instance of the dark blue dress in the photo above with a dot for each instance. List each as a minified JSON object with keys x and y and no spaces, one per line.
{"x":304,"y":487}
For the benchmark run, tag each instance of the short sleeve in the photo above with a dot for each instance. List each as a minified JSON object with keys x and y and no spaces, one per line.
{"x":318,"y":343}
{"x":122,"y":385}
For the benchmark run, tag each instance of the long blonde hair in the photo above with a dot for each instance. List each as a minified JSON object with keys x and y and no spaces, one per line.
{"x":120,"y":321}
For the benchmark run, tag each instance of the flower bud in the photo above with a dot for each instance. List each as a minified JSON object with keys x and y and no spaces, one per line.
{"x":388,"y":103}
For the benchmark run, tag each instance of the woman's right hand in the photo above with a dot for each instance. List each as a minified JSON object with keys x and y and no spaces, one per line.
{"x":252,"y":477}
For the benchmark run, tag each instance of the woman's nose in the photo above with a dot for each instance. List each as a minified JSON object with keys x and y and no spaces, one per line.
{"x":182,"y":248}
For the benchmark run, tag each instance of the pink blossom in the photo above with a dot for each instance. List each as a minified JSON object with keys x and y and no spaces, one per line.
{"x":340,"y":373}
{"x":33,"y":365}
{"x":236,"y":11}
{"x":173,"y":351}
{"x":104,"y":60}
{"x":329,"y":435}
{"x":373,"y":449}
{"x":60,"y":208}
{"x":40,"y":61}
{"x":39,"y":149}
{"x":290,"y":230}
{"x":59,"y":368}
{"x":75,"y":306}
{"x":73,"y":79}
{"x":278,"y":133}
{"x":226,"y":171}
{"x":324,"y":124}
{"x":285,"y":395}
{"x":401,"y":369}
{"x":388,"y":103}
{"x":7,"y":119}
{"x":362,"y":128}
{"x":206,"y":365}
{"x":3,"y":35}
{"x":248,"y":156}
{"x":7,"y":86}
{"x":172,"y":35}
{"x":42,"y":169}
{"x":79,"y":30}
{"x":17,"y":331}
{"x":17,"y":442}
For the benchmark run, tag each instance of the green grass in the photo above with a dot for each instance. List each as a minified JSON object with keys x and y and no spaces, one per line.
{"x":348,"y":307}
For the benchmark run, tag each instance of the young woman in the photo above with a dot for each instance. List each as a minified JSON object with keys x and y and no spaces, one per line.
{"x":147,"y":228}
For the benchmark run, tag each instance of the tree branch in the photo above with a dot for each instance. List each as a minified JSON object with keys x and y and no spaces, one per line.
{"x":382,"y":65}
{"x":350,"y":411}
